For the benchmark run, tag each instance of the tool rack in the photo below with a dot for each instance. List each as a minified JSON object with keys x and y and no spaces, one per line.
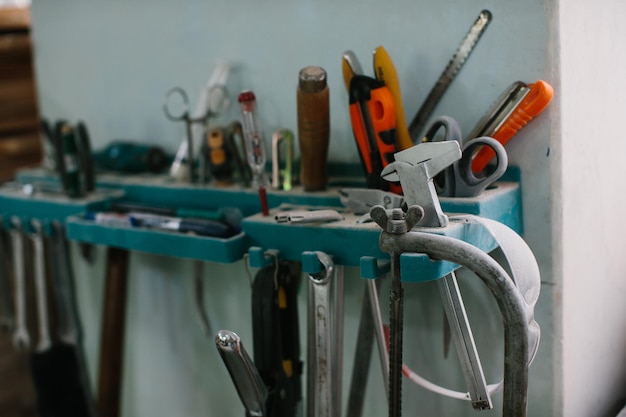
{"x":349,"y":243}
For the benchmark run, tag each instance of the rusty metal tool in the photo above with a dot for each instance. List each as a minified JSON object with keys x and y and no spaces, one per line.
{"x":445,"y":79}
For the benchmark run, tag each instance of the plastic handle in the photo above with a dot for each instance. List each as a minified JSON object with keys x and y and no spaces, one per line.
{"x":534,"y":103}
{"x":386,"y":72}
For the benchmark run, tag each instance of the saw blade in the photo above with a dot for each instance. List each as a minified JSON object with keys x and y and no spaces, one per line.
{"x":445,"y":79}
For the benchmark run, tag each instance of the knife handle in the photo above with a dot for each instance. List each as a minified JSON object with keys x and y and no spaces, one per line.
{"x":313,"y":127}
{"x":533,"y":104}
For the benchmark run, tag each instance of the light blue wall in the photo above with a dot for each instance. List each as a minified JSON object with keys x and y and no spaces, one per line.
{"x":110,"y":63}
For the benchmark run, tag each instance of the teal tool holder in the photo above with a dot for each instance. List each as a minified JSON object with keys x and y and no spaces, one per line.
{"x":158,"y":242}
{"x":262,"y":238}
{"x":49,"y":206}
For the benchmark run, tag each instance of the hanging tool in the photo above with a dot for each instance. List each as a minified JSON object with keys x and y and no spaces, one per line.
{"x":184,"y":115}
{"x":21,"y":336}
{"x":325,"y":344}
{"x":63,"y":368}
{"x":282,"y":162}
{"x":445,"y":79}
{"x":276,"y":336}
{"x":386,"y":72}
{"x":459,"y":180}
{"x":7,"y":317}
{"x":110,"y":364}
{"x":520,"y":329}
{"x":313,"y":106}
{"x":370,"y":325}
{"x":58,"y":375}
{"x":416,"y":168}
{"x":511,"y":112}
{"x":255,"y":148}
{"x":248,"y":382}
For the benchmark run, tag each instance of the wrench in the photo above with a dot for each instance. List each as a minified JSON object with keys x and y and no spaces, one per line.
{"x":21,"y":337}
{"x":320,"y":388}
{"x":44,"y":342}
{"x":7,"y":319}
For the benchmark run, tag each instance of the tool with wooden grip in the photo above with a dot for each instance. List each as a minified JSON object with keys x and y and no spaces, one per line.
{"x":313,"y":105}
{"x":513,"y":110}
{"x":111,"y":365}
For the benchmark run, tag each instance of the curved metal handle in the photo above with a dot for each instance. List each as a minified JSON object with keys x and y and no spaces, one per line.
{"x":184,"y":115}
{"x":468,"y":184}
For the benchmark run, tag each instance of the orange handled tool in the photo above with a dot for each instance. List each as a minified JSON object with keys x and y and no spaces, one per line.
{"x":372,"y":112}
{"x":534,"y":99}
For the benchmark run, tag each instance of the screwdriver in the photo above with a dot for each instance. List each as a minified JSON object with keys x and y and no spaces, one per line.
{"x":255,"y":149}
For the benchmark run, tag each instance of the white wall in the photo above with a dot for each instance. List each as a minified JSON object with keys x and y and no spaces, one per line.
{"x":593,"y":58}
{"x":110,"y":63}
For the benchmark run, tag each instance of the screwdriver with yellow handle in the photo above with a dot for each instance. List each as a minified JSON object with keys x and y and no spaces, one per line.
{"x":514,"y":109}
{"x":385,"y":71}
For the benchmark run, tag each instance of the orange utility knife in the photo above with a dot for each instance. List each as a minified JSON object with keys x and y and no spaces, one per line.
{"x":514,"y":109}
{"x":372,"y":112}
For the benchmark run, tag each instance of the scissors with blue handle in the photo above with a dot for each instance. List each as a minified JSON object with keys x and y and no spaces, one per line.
{"x":458,"y":180}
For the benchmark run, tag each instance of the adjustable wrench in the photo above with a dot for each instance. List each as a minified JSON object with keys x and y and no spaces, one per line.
{"x":21,"y":337}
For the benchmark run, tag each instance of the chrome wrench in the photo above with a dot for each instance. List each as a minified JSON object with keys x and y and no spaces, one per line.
{"x":44,"y":342}
{"x":21,"y":337}
{"x":7,"y":319}
{"x":320,"y":401}
{"x":248,"y":382}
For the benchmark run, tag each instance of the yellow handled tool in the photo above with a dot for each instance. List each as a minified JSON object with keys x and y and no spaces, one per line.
{"x":386,"y":72}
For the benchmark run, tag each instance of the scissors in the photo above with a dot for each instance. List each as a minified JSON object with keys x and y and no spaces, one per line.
{"x":458,"y":180}
{"x":218,"y":100}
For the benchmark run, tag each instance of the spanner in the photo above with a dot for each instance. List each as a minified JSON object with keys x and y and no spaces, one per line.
{"x":36,"y":237}
{"x":21,"y":338}
{"x":320,"y":389}
{"x":6,"y":307}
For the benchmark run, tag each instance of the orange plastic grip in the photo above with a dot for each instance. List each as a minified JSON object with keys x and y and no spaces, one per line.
{"x":535,"y":102}
{"x":383,"y":113}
